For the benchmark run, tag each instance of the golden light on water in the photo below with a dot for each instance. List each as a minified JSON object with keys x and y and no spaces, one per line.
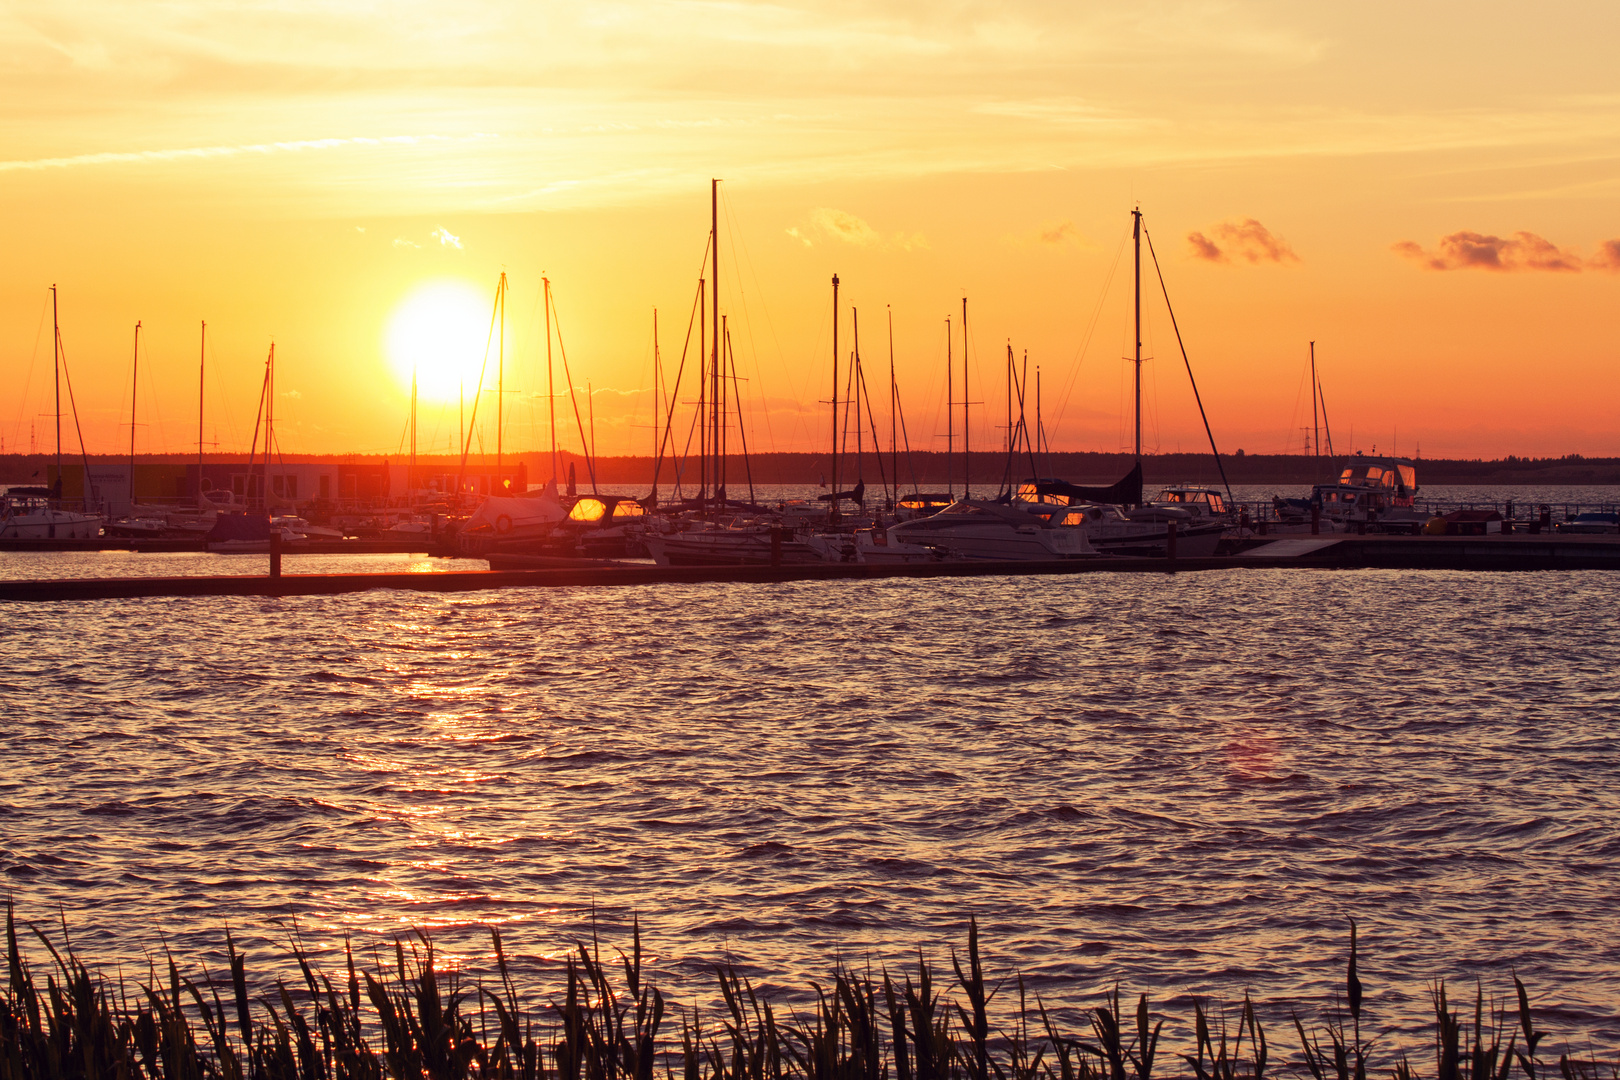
{"x":439,"y":332}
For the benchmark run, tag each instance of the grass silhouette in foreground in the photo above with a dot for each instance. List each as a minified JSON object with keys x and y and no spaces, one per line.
{"x":414,"y":1021}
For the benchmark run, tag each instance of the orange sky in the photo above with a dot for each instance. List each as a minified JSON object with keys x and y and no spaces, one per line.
{"x":1426,"y":190}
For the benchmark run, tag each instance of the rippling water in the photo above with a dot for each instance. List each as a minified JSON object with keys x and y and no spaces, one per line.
{"x":1186,"y":783}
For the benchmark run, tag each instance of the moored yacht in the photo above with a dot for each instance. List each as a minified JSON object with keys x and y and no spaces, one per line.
{"x":975,"y":529}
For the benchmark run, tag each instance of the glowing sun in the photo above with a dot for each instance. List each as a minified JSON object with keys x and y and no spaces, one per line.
{"x":439,"y":332}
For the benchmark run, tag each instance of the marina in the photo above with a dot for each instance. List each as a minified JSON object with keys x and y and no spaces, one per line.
{"x":1521,"y":552}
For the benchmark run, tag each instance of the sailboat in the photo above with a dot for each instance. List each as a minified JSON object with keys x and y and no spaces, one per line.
{"x":1115,"y":518}
{"x":35,"y":513}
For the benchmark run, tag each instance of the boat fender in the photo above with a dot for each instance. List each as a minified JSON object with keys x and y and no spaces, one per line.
{"x":503,"y":524}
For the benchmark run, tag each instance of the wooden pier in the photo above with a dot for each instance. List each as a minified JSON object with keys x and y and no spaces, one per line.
{"x":1479,"y":553}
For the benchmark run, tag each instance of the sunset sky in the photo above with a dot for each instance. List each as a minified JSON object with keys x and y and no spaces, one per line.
{"x":1429,"y":191}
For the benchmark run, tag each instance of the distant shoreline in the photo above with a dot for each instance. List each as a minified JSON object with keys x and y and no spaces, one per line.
{"x":930,"y":468}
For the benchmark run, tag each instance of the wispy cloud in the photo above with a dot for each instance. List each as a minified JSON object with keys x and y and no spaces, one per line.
{"x":138,"y":157}
{"x":1063,"y":232}
{"x":842,"y":225}
{"x":1245,"y":239}
{"x":1467,"y":250}
{"x":401,"y":242}
{"x":446,"y":238}
{"x":1608,"y":256}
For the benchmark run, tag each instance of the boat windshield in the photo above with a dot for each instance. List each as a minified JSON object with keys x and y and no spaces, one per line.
{"x":629,"y":508}
{"x":588,"y":509}
{"x":1031,"y":493}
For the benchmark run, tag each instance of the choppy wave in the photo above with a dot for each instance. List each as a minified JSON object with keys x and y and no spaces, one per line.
{"x":1187,"y":784}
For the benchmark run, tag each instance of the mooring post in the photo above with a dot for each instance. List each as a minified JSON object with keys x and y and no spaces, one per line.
{"x":1170,"y":542}
{"x":275,"y":553}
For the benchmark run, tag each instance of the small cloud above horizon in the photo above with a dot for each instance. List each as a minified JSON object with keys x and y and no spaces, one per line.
{"x":842,"y":225}
{"x":1468,"y":250}
{"x":1245,"y":239}
{"x":446,"y":238}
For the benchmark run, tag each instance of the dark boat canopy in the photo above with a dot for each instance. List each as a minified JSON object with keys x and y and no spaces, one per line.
{"x":856,"y":494}
{"x":1127,"y":492}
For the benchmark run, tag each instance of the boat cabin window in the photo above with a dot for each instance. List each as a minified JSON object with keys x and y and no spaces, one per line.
{"x":629,"y":509}
{"x":588,"y":510}
{"x":962,"y":508}
{"x":1031,"y":493}
{"x":1408,"y":477}
{"x":1217,"y":505}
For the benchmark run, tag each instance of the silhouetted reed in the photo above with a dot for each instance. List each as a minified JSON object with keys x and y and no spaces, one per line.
{"x":410,"y":1019}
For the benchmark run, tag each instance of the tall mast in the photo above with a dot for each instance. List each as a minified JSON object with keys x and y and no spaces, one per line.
{"x":894,"y":414}
{"x":56,"y":363}
{"x":832,"y":511}
{"x":1316,"y":426}
{"x":134,"y":381}
{"x":658,"y":393}
{"x":1040,"y":425}
{"x":703,"y":394}
{"x":590,"y":405}
{"x":202,"y":356}
{"x":967,"y":453}
{"x":1136,"y":237}
{"x":551,"y":393}
{"x":722,"y":339}
{"x":950,"y":410}
{"x":860,"y":455}
{"x":269,"y":417}
{"x":714,"y":356}
{"x":500,"y":377}
{"x":411,"y":472}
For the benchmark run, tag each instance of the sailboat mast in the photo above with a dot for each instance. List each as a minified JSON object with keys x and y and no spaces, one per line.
{"x":721,"y":424}
{"x":860,"y":448}
{"x":56,"y":363}
{"x":832,"y":510}
{"x":950,"y":410}
{"x":134,"y":382}
{"x":411,"y":473}
{"x":551,"y":392}
{"x":500,"y":379}
{"x":1136,"y":238}
{"x":894,"y":414}
{"x":202,"y":356}
{"x":714,"y":355}
{"x":1316,"y":425}
{"x":658,"y":393}
{"x":269,"y":418}
{"x":967,"y":452}
{"x":703,"y":393}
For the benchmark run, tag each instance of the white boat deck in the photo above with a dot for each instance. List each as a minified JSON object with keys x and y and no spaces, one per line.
{"x":1291,"y":548}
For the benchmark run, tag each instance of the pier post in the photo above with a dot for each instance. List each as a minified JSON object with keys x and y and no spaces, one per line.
{"x":275,"y":553}
{"x":1170,"y":542}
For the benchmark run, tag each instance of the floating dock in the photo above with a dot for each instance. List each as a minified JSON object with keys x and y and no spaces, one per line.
{"x":1481,"y":553}
{"x":421,"y":545}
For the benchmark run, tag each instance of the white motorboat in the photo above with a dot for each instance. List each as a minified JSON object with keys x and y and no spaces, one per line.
{"x":1374,"y":493}
{"x":31,"y":514}
{"x":973,"y":529}
{"x":300,"y":527}
{"x":744,"y":545}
